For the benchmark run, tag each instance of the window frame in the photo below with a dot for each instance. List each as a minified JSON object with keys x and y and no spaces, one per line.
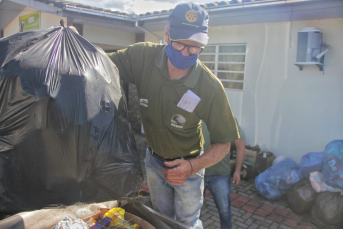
{"x":216,"y":63}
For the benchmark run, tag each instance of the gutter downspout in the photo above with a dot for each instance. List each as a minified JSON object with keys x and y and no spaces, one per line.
{"x":158,"y":37}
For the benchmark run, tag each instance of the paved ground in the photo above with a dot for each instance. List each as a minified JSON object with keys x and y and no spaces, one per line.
{"x":249,"y":209}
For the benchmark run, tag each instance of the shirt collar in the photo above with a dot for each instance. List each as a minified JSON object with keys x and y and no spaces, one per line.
{"x":190,"y":80}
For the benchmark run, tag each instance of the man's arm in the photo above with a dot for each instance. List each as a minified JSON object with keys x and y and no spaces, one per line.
{"x":182,"y":169}
{"x":240,"y":152}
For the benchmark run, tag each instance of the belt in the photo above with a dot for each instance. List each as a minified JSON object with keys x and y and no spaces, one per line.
{"x":172,"y":159}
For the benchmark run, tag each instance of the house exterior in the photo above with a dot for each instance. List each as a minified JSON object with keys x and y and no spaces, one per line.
{"x":252,"y":48}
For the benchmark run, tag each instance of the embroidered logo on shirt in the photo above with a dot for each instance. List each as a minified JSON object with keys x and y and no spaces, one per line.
{"x":144,"y":102}
{"x":178,"y":121}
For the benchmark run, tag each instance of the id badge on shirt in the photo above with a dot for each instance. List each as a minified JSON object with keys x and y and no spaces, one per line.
{"x":189,"y":101}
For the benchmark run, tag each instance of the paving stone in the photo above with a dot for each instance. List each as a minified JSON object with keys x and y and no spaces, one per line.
{"x":234,"y":225}
{"x":249,"y":222}
{"x":242,"y":225}
{"x":233,"y":208}
{"x":205,"y":217}
{"x":246,"y":215}
{"x":262,"y":227}
{"x":254,"y":203}
{"x":208,"y":192}
{"x":216,"y":224}
{"x":258,"y":217}
{"x":268,"y":221}
{"x":253,"y":195}
{"x":247,"y":201}
{"x":243,"y":199}
{"x":253,"y":226}
{"x":282,"y":226}
{"x":241,"y":220}
{"x":212,"y":208}
{"x":243,"y":194}
{"x":207,"y":223}
{"x":260,"y":222}
{"x":249,"y":208}
{"x":212,"y":227}
{"x":211,"y":204}
{"x":234,"y":195}
{"x":275,"y":217}
{"x":281,"y":211}
{"x":240,"y":202}
{"x":306,"y":226}
{"x":262,"y":212}
{"x":290,"y":222}
{"x":268,"y":207}
{"x":294,"y":216}
{"x":235,"y":217}
{"x":215,"y":218}
{"x":203,"y":211}
{"x":274,"y":226}
{"x":236,"y":213}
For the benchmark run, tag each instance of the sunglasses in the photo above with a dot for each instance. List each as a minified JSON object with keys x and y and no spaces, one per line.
{"x":179,"y":46}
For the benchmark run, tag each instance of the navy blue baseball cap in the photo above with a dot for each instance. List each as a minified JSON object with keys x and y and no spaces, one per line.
{"x":189,"y":21}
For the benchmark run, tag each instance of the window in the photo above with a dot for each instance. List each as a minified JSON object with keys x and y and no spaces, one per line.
{"x":227,"y":62}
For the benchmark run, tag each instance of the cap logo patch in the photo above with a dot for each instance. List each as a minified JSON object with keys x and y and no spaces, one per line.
{"x":191,"y":16}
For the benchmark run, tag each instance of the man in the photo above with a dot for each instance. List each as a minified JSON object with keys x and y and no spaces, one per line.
{"x":177,"y":92}
{"x":218,"y":180}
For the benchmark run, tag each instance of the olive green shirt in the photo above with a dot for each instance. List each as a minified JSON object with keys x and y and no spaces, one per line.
{"x":170,"y":130}
{"x":223,"y":166}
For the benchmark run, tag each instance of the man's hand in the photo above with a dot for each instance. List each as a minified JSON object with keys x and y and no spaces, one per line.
{"x":178,"y":171}
{"x":236,"y":178}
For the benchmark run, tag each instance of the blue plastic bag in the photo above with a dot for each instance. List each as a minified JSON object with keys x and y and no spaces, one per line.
{"x":333,"y":164}
{"x":267,"y":186}
{"x":311,"y":162}
{"x":277,"y":179}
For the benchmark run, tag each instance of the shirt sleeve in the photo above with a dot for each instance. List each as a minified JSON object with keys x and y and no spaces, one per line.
{"x":129,"y":62}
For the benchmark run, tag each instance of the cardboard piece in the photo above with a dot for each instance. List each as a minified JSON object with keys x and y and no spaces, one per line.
{"x":250,"y":156}
{"x":127,"y":216}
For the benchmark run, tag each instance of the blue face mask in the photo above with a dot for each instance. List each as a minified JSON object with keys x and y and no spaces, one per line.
{"x":178,"y":60}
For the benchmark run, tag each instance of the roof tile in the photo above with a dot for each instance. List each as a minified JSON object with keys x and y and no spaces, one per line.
{"x":63,"y":4}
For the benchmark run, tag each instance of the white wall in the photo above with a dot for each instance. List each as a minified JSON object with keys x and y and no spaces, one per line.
{"x":149,"y":37}
{"x":91,"y":33}
{"x":46,"y":20}
{"x":282,"y":109}
{"x":107,"y":36}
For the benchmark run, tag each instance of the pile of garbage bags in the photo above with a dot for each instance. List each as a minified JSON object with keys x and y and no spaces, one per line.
{"x":277,"y":179}
{"x":315,"y":186}
{"x":64,"y":130}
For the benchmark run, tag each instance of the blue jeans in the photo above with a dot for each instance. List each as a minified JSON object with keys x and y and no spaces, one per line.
{"x":180,"y":202}
{"x":220,"y":187}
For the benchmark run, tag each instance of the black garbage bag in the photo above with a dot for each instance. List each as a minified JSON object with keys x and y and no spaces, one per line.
{"x":327,"y":211}
{"x":64,"y":131}
{"x":301,"y":197}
